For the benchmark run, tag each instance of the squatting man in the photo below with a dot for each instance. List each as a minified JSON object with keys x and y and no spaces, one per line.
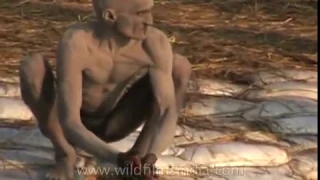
{"x":113,"y":74}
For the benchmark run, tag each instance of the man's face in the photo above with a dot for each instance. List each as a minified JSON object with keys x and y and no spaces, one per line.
{"x":133,"y":19}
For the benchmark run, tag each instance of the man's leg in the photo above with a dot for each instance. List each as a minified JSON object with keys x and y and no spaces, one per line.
{"x":38,"y":93}
{"x":132,"y":110}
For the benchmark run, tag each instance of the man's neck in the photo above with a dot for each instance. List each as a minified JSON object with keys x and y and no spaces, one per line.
{"x":109,"y":36}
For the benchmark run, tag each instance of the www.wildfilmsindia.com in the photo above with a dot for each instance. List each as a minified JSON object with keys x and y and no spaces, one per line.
{"x":112,"y":171}
{"x":177,"y":171}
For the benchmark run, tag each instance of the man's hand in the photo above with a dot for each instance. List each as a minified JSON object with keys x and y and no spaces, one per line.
{"x":149,"y":170}
{"x":130,"y":158}
{"x":139,"y":169}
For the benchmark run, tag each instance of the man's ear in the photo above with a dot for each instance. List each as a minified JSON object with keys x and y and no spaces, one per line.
{"x":109,"y":15}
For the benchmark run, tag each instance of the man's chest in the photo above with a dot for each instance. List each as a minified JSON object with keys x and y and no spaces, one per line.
{"x":107,"y":69}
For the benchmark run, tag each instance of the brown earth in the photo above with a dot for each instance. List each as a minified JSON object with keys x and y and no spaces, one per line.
{"x":222,"y":39}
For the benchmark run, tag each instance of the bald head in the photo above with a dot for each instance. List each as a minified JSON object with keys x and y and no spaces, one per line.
{"x":128,"y":17}
{"x":130,"y":6}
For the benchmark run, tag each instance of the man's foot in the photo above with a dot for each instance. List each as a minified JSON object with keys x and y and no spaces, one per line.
{"x":56,"y":173}
{"x":61,"y":171}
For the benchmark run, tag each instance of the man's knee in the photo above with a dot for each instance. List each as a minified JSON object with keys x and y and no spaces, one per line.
{"x":36,"y":78}
{"x":181,"y":70}
{"x":34,"y":64}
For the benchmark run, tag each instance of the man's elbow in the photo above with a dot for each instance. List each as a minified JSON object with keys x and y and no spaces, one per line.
{"x":66,"y":127}
{"x":166,"y":105}
{"x":69,"y":127}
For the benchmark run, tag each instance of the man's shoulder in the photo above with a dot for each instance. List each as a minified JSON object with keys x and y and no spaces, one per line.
{"x":74,"y":41}
{"x":156,"y":34}
{"x":77,"y":33}
{"x":158,"y":45}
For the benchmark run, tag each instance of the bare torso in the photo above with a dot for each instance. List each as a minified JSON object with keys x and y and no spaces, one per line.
{"x":106,"y":74}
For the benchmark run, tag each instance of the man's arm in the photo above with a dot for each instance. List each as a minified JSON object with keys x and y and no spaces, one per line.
{"x":71,"y":57}
{"x":165,"y":119}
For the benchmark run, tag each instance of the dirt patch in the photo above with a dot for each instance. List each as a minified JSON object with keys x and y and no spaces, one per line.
{"x":222,"y":39}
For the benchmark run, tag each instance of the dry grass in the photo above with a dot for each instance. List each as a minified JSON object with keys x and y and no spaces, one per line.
{"x":222,"y":39}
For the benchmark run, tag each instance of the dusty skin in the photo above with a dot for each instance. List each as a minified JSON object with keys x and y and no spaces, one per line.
{"x":113,"y":74}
